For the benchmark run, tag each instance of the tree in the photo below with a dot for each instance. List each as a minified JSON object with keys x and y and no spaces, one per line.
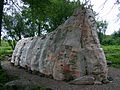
{"x":38,"y":12}
{"x":50,"y":14}
{"x":116,"y":33}
{"x":11,"y":4}
{"x":36,"y":18}
{"x":16,"y":27}
{"x":1,"y":13}
{"x":61,"y":10}
{"x":101,"y":29}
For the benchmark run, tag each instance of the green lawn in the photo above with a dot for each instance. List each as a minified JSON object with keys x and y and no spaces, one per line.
{"x":113,"y":54}
{"x":5,"y":49}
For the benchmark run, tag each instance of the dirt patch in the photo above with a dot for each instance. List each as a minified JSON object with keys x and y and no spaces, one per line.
{"x":61,"y":85}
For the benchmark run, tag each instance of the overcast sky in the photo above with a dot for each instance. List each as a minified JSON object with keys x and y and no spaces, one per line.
{"x":108,"y":12}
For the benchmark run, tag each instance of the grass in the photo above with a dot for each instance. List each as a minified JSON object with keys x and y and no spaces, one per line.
{"x":5,"y":50}
{"x":112,"y":53}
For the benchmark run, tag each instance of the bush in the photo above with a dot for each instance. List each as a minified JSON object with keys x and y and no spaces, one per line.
{"x":110,"y":40}
{"x":112,"y":53}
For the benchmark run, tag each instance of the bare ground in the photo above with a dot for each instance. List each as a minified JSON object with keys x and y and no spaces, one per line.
{"x":61,"y":85}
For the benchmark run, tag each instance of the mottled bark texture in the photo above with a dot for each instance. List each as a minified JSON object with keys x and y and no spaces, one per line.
{"x":71,"y":52}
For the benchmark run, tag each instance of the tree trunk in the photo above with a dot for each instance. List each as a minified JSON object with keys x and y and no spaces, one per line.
{"x":39,"y":31}
{"x":19,"y":34}
{"x":10,"y":44}
{"x":1,"y":13}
